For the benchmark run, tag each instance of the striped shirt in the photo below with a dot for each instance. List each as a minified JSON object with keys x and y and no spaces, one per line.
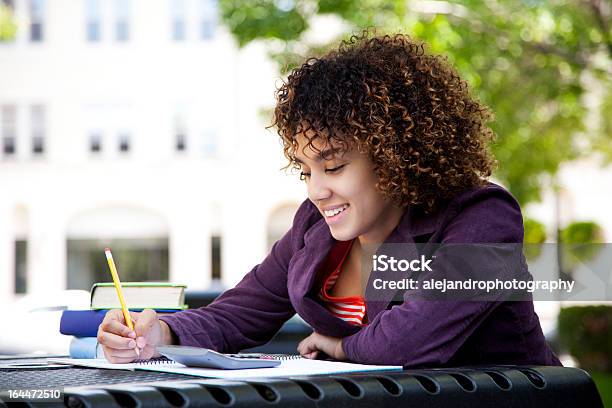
{"x":351,"y":309}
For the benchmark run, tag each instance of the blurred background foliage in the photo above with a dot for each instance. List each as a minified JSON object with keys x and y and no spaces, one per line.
{"x":531,"y":61}
{"x":534,"y":238}
{"x":586,"y":333}
{"x":8,"y":27}
{"x":581,"y":242}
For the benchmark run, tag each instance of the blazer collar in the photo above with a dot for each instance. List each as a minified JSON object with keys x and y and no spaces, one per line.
{"x":414,"y":222}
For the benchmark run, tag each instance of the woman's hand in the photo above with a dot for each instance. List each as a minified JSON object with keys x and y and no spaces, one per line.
{"x":119,"y":342}
{"x":311,"y":345}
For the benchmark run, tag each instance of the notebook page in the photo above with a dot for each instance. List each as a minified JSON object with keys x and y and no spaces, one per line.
{"x":103,"y":363}
{"x":288,"y":368}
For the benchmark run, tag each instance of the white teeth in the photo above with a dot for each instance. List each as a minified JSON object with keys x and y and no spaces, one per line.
{"x":331,"y":213}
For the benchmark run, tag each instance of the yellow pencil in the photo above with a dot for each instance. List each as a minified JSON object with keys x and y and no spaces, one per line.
{"x":126,"y":312}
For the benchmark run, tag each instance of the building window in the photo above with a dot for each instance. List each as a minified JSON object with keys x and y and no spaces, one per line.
{"x":37,"y":12}
{"x":180,"y":133}
{"x":178,"y":24}
{"x":38,"y":145}
{"x":208,"y":19}
{"x":95,"y":142}
{"x":8,"y":129}
{"x":124,"y":142}
{"x":215,"y":246}
{"x":93,"y":20}
{"x":37,"y":120}
{"x":122,"y":20}
{"x":21,"y":257}
{"x":181,"y":142}
{"x":8,"y":146}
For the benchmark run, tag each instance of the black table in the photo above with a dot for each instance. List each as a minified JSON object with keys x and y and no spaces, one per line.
{"x":490,"y":386}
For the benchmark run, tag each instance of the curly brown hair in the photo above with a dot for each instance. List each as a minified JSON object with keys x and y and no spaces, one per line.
{"x":410,"y":111}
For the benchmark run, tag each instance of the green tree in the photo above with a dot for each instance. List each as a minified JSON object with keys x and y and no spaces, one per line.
{"x":8,"y":28}
{"x":531,"y":61}
{"x":534,"y":238}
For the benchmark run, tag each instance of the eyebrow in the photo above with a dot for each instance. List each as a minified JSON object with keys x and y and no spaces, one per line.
{"x":325,"y":153}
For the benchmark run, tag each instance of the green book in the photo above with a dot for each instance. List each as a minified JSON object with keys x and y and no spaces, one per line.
{"x":139,"y":295}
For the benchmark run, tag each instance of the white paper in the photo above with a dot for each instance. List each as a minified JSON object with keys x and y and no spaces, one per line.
{"x":288,"y":368}
{"x":103,"y":363}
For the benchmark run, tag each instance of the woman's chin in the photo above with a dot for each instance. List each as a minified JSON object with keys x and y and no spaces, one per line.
{"x":341,"y":235}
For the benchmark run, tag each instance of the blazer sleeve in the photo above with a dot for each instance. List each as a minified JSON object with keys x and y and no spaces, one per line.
{"x":253,"y":311}
{"x":429,"y":332}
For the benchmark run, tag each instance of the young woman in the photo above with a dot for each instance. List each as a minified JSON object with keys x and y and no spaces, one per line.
{"x":393,"y":149}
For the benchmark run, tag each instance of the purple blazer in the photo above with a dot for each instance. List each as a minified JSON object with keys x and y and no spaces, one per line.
{"x":412,"y":333}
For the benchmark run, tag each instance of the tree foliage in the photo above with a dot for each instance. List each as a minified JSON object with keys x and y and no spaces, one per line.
{"x":531,"y":61}
{"x":8,"y":27}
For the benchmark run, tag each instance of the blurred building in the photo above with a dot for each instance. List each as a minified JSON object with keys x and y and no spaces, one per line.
{"x":137,"y":125}
{"x":140,"y":125}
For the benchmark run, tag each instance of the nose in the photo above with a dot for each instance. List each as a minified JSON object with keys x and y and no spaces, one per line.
{"x":318,"y":188}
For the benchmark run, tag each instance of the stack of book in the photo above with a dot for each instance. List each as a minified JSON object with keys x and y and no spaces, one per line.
{"x":162,"y":297}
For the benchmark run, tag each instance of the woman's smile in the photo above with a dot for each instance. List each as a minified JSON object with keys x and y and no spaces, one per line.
{"x":336,"y":214}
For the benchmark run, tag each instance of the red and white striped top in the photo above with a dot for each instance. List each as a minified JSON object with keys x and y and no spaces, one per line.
{"x":351,"y":309}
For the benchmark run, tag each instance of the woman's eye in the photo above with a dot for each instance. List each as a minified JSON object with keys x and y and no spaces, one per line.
{"x":304,"y":175}
{"x":334,"y":169}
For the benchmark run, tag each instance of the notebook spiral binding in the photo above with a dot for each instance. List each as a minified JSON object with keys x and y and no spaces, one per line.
{"x":157,"y":360}
{"x":281,"y":356}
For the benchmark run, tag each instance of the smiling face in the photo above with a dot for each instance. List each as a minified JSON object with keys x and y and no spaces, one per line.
{"x":342,"y":185}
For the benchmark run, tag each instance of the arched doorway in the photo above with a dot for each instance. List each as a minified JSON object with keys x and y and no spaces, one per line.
{"x":279,"y":222}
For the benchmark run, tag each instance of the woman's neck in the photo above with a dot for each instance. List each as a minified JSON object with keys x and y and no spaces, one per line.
{"x":385,"y":225}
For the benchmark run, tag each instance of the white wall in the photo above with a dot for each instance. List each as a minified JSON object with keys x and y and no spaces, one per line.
{"x":140,"y":86}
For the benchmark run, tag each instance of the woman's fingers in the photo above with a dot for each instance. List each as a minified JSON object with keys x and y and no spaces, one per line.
{"x":147,"y":329}
{"x":114,"y":322}
{"x":316,"y":343}
{"x":308,"y":346}
{"x":118,"y":328}
{"x":118,"y":341}
{"x":145,"y":322}
{"x":114,"y":341}
{"x":147,"y":352}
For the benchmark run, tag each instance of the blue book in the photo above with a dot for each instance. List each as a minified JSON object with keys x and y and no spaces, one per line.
{"x":85,"y":347}
{"x":81,"y":323}
{"x":84,"y":323}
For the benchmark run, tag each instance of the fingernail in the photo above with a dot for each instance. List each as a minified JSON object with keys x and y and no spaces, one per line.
{"x":132,"y":335}
{"x":132,"y":344}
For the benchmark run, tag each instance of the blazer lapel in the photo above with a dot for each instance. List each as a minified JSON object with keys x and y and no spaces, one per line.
{"x":400,"y":244}
{"x":303,"y":268}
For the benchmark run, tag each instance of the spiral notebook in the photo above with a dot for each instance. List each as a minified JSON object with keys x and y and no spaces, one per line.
{"x":291,"y":365}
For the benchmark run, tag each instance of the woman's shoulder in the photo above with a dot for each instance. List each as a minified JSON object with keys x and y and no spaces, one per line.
{"x":305,"y":219}
{"x":488,"y":196}
{"x":487,"y":213}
